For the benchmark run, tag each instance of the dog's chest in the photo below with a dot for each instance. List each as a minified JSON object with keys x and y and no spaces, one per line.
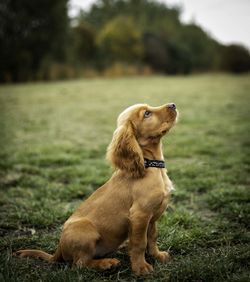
{"x":166,"y":188}
{"x":168,"y":185}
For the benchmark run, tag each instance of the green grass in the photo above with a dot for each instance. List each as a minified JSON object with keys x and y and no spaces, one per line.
{"x":53,"y":138}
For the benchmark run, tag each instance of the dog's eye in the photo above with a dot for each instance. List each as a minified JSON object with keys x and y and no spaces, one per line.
{"x":147,"y":114}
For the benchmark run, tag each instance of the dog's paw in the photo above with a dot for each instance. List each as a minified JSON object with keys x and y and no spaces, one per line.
{"x":142,"y":268}
{"x":162,"y":256}
{"x":107,"y":263}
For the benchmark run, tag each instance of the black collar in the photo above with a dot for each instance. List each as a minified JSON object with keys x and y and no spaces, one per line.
{"x":154,"y":163}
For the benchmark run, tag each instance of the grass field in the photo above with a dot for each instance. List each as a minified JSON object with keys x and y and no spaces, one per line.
{"x":53,"y":138}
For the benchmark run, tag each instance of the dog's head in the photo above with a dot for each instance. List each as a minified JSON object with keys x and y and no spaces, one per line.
{"x":137,"y":126}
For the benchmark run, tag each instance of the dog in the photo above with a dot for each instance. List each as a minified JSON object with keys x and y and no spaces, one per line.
{"x":128,"y":205}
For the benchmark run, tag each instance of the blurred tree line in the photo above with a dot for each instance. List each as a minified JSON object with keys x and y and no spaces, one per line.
{"x":39,"y":41}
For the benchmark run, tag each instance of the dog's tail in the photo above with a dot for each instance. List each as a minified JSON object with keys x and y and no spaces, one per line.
{"x":38,"y":254}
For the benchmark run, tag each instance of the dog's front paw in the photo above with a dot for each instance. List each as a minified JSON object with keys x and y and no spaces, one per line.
{"x":142,"y":268}
{"x":162,"y":256}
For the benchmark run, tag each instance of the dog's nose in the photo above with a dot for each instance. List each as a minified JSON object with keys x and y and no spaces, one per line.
{"x":171,"y":106}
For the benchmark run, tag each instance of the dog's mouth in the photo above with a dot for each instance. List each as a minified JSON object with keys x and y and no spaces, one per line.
{"x":166,"y":126}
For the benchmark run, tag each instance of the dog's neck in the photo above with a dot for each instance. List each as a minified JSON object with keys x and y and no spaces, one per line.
{"x":153,"y":151}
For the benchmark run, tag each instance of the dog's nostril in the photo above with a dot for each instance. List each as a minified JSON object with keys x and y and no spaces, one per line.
{"x":171,"y":106}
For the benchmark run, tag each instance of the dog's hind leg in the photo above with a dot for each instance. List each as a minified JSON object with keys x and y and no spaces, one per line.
{"x":79,"y":240}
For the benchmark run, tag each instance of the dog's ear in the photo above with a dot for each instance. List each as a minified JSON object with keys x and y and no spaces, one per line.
{"x":124,"y":151}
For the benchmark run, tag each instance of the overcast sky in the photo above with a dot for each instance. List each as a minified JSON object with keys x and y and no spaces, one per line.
{"x":228,"y":21}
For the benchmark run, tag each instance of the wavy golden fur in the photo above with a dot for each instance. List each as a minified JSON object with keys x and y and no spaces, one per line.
{"x":129,"y":204}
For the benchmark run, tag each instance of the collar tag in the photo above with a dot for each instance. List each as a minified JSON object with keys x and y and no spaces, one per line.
{"x":154,"y":163}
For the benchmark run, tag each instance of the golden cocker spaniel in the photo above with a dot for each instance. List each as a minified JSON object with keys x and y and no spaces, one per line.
{"x":129,"y":204}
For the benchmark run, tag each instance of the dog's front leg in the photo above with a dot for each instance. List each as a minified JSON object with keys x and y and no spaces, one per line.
{"x":139,"y":222}
{"x":152,"y":245}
